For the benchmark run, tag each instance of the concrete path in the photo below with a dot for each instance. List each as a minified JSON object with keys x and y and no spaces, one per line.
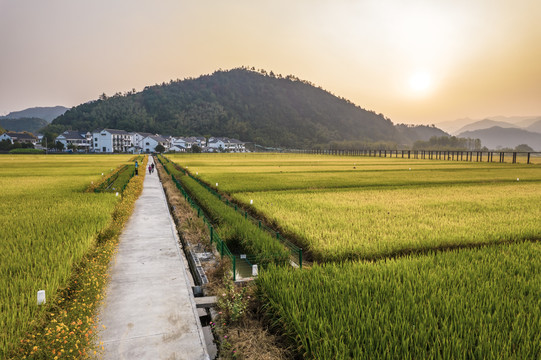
{"x":149,"y":312}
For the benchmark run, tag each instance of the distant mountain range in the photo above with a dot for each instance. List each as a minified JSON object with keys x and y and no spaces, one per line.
{"x":497,"y":137}
{"x":520,"y":121}
{"x":499,"y":131}
{"x":46,"y":113}
{"x":31,"y":120}
{"x":455,"y":127}
{"x":534,"y":127}
{"x":254,"y":106}
{"x":485,"y":124}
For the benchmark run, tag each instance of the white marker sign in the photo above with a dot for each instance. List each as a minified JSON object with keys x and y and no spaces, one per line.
{"x":41,"y":297}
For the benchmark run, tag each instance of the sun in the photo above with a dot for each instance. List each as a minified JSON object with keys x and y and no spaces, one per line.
{"x":420,"y":82}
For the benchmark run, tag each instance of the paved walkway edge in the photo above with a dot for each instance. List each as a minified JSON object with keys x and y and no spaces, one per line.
{"x":185,"y":268}
{"x":149,"y":311}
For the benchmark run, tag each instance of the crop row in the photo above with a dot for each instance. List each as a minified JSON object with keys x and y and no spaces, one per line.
{"x":48,"y":224}
{"x":462,"y":303}
{"x":469,"y":303}
{"x":278,"y":172}
{"x":373,"y":223}
{"x":239,"y":233}
{"x":385,"y":206}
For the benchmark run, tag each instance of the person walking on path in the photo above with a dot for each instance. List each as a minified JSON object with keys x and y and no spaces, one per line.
{"x":150,"y":169}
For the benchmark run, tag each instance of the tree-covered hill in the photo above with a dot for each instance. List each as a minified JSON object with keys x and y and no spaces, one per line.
{"x":267,"y":109}
{"x":23,"y":124}
{"x":412,"y":133}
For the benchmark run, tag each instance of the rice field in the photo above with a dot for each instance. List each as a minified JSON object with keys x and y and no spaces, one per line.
{"x":270,"y":172}
{"x":384,"y":206}
{"x":462,"y":304}
{"x":373,"y":223}
{"x":48,"y":223}
{"x":415,"y":259}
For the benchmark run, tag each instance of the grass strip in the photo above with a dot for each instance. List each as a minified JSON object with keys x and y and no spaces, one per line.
{"x":238,"y":232}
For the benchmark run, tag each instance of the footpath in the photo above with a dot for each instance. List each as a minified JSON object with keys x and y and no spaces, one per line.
{"x":149,"y":311}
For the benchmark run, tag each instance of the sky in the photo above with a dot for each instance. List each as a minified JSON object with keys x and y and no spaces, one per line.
{"x":415,"y":61}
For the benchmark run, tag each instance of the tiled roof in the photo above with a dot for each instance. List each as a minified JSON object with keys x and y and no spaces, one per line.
{"x":73,"y":135}
{"x":157,"y":138}
{"x":116,"y":132}
{"x":21,"y":136}
{"x":225,"y":140}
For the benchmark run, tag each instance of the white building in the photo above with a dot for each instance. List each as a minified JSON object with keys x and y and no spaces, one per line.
{"x":111,"y":140}
{"x":150,"y":143}
{"x":175,"y":148}
{"x":5,"y":136}
{"x":225,"y":144}
{"x":235,"y":145}
{"x":22,"y":137}
{"x":215,"y":144}
{"x":181,"y":144}
{"x":138,"y":138}
{"x":82,"y":141}
{"x":197,"y":140}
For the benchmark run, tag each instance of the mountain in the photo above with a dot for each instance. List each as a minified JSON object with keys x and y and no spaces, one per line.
{"x":32,"y":125}
{"x":32,"y":119}
{"x":453,"y":125}
{"x":268,"y":109}
{"x":498,"y":137}
{"x":535,"y":127}
{"x":484,"y":124}
{"x":45,"y":113}
{"x":520,"y":121}
{"x":456,"y":126}
{"x":411,"y":134}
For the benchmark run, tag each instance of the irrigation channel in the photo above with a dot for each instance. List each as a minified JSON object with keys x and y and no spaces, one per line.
{"x":244,"y":265}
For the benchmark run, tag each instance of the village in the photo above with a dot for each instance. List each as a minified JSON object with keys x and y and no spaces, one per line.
{"x":121,"y":141}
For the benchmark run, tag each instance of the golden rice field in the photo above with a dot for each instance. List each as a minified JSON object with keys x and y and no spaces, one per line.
{"x":454,"y":268}
{"x":462,"y":304}
{"x":383,"y":206}
{"x":48,"y":223}
{"x":265,"y":172}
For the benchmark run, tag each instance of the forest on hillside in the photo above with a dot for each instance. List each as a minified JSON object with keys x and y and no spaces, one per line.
{"x":31,"y":125}
{"x":255,"y":106}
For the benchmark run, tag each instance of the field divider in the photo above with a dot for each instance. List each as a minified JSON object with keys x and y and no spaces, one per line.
{"x":221,"y":246}
{"x":121,"y":176}
{"x":295,"y":251}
